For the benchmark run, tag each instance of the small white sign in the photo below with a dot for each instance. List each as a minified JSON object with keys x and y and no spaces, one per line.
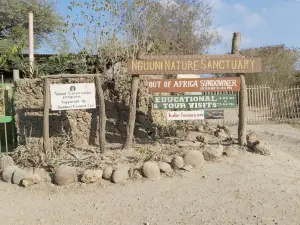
{"x":72,"y":96}
{"x":185,"y":115}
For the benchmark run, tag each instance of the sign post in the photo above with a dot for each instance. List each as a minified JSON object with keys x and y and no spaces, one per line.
{"x":199,"y":64}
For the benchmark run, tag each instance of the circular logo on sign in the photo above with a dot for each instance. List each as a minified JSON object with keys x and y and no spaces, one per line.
{"x":72,"y":88}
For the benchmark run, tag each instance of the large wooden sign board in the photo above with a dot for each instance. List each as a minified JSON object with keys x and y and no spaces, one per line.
{"x":195,"y":65}
{"x":194,"y":84}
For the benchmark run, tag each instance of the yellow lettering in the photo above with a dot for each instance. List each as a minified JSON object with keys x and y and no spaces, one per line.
{"x":134,"y":65}
{"x":151,"y":65}
{"x":240,"y":65}
{"x":209,"y":65}
{"x":215,"y":64}
{"x":173,"y":66}
{"x":246,"y":64}
{"x":252,"y":63}
{"x":221,"y":67}
{"x":203,"y":66}
{"x":195,"y":67}
{"x":190,"y":65}
{"x":140,"y":65}
{"x":157,"y":65}
{"x":167,"y":65}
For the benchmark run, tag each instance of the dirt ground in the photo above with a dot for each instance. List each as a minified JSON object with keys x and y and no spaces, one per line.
{"x":248,"y":189}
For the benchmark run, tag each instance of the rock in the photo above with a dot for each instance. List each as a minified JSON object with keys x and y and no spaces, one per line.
{"x":192,"y":136}
{"x":262,"y":148}
{"x":193,"y":158}
{"x":221,"y":134}
{"x":120,"y":175}
{"x":202,"y":138}
{"x":91,"y":176}
{"x":165,"y":167}
{"x":212,"y":153}
{"x":65,"y":175}
{"x":151,"y":170}
{"x":200,"y":128}
{"x":34,"y":176}
{"x":6,"y":161}
{"x":177,"y":162}
{"x":185,"y":144}
{"x":136,"y":175}
{"x":230,"y":151}
{"x":107,"y":172}
{"x":252,"y":140}
{"x":18,"y":176}
{"x":8,"y":172}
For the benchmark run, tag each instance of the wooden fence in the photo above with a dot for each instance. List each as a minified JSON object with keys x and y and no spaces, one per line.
{"x":266,"y":104}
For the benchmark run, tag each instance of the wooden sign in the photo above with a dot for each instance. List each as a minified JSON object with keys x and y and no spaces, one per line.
{"x":185,"y":115}
{"x":214,"y":114}
{"x":194,"y":101}
{"x":194,"y":84}
{"x":195,"y":65}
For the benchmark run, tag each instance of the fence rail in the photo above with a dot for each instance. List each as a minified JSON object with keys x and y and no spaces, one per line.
{"x":266,"y":104}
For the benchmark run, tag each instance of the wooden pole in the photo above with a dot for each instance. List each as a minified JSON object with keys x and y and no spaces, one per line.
{"x":31,"y":43}
{"x":102,"y":116}
{"x":132,"y":102}
{"x":132,"y":112}
{"x":242,"y":127}
{"x":46,"y":138}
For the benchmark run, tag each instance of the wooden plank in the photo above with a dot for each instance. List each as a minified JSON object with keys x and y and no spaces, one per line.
{"x":58,"y":76}
{"x":194,"y":85}
{"x":202,"y":65}
{"x":46,"y":138}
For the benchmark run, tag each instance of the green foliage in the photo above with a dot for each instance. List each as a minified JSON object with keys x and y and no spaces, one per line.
{"x":9,"y":55}
{"x":279,"y":66}
{"x":14,"y":19}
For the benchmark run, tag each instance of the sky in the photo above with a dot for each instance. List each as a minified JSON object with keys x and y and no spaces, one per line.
{"x":261,"y":22}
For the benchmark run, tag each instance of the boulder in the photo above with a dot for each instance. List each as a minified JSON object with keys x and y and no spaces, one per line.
{"x":212,"y":152}
{"x":177,"y":162}
{"x":18,"y":176}
{"x":192,"y":136}
{"x":262,"y":148}
{"x":34,"y":176}
{"x":120,"y":175}
{"x":231,"y":152}
{"x":151,"y":170}
{"x":186,"y":144}
{"x":7,"y":173}
{"x":193,"y":158}
{"x":6,"y":161}
{"x":202,"y":138}
{"x":65,"y":175}
{"x":220,"y":133}
{"x":91,"y":176}
{"x":252,"y":140}
{"x":107,"y":172}
{"x":165,"y":167}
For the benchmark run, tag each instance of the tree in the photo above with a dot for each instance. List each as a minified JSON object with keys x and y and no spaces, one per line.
{"x":279,"y":66}
{"x":48,"y":25}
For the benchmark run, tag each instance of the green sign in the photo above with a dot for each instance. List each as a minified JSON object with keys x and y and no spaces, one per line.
{"x":194,"y":101}
{"x":214,"y":114}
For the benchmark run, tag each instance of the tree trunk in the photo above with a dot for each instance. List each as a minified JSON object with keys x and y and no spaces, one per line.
{"x":243,"y":98}
{"x":102,"y":116}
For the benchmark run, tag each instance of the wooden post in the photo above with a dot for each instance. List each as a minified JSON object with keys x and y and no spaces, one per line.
{"x":242,"y":127}
{"x":31,"y":43}
{"x":102,"y":116}
{"x":132,"y":103}
{"x":132,"y":112}
{"x":46,"y":97}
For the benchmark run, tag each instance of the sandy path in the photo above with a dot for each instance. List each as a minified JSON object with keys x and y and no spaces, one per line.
{"x":249,"y":189}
